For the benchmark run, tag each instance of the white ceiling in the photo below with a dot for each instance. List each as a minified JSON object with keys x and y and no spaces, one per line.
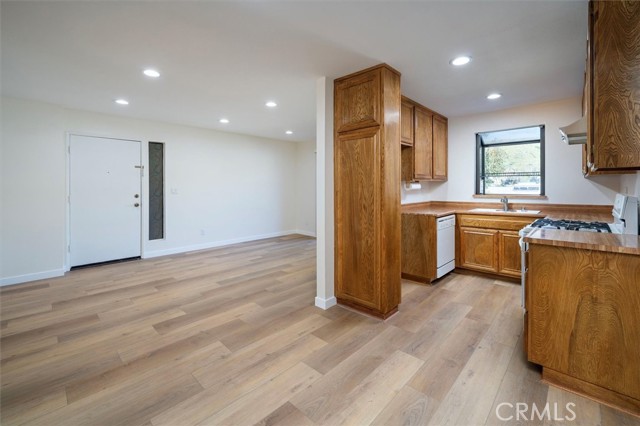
{"x":226,"y":59}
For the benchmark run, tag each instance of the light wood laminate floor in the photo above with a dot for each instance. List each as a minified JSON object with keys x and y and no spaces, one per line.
{"x":230,"y":336}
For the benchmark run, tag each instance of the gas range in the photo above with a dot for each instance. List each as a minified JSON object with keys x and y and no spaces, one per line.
{"x":571,"y":225}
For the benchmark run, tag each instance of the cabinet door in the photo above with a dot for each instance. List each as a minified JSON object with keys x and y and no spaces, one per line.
{"x":357,"y":232}
{"x":419,"y":247}
{"x":479,"y":249}
{"x":423,"y":144}
{"x":440,"y":137}
{"x":358,"y":102}
{"x":509,"y":255}
{"x":406,"y":123}
{"x":616,"y":84}
{"x":583,"y":315}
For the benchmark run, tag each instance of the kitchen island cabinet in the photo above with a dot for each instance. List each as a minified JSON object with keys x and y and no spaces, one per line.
{"x":582,"y":314}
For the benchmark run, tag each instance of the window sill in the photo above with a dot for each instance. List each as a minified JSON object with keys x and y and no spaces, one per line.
{"x":512,"y":196}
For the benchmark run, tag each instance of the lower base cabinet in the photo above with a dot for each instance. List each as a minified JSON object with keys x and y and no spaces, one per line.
{"x":490,"y":244}
{"x":479,"y":249}
{"x":583,"y":316}
{"x":419,"y":247}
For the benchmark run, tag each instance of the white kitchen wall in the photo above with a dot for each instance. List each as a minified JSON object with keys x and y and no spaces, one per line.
{"x":306,"y":189}
{"x":630,"y":184}
{"x":564,"y":181}
{"x":229,"y":187}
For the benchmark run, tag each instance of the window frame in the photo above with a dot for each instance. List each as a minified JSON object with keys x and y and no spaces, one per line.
{"x":480,"y":161}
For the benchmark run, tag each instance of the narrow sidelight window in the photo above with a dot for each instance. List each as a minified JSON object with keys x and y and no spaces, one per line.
{"x":156,"y":190}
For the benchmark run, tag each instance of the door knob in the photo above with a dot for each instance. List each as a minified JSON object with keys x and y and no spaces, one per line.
{"x":137,"y":204}
{"x":136,"y":196}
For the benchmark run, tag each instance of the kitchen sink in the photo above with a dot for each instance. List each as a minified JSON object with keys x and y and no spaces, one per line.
{"x":508,"y":211}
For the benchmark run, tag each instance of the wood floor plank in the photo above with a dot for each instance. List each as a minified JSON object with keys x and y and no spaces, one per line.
{"x":326,"y":396}
{"x":231,"y":336}
{"x":436,"y":330}
{"x":32,"y":408}
{"x":471,"y":397}
{"x":409,"y":407}
{"x":255,"y":405}
{"x":363,"y":404}
{"x":286,"y":415}
{"x":260,"y":350}
{"x":438,"y":375}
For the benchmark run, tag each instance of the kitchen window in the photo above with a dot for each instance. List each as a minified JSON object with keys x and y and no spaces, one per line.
{"x":510,"y":162}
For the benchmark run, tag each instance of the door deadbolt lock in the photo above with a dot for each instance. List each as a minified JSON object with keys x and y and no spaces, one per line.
{"x":137,"y":204}
{"x":136,"y":196}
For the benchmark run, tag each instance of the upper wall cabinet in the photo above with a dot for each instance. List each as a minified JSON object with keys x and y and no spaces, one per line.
{"x":406,"y":122}
{"x":424,"y":156}
{"x":359,"y":103}
{"x":612,"y":87}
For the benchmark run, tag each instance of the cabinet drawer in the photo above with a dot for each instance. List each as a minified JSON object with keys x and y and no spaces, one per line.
{"x":505,"y":223}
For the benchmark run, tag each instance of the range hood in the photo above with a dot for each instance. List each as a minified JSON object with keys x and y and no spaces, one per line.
{"x":575,"y":133}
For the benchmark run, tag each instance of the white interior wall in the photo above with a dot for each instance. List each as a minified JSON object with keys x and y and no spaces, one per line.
{"x":564,"y":181}
{"x":630,"y":184}
{"x":229,"y":187}
{"x":306,"y":189}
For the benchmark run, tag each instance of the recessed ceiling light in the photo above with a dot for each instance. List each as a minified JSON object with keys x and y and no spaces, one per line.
{"x":224,"y":120}
{"x":151,"y":73}
{"x":289,"y":132}
{"x":493,"y":96}
{"x":271,"y":104}
{"x":122,"y":102}
{"x":460,"y":61}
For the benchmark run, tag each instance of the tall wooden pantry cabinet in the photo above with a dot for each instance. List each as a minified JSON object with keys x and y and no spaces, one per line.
{"x":367,"y":190}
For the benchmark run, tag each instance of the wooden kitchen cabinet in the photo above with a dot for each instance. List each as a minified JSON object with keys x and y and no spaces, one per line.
{"x":479,"y":249}
{"x":367,"y":190}
{"x":490,"y":243}
{"x":425,"y":158}
{"x":406,"y":122}
{"x":419,"y":247}
{"x":440,"y":146}
{"x":583,"y":318}
{"x":423,"y":145}
{"x":612,"y":88}
{"x":509,"y":256}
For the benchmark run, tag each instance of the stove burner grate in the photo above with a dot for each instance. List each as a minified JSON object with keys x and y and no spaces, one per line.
{"x":571,"y":225}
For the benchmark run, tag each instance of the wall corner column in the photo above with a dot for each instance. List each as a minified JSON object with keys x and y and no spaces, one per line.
{"x":325,"y":295}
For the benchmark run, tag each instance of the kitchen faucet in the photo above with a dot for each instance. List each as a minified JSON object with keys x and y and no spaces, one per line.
{"x":505,"y":203}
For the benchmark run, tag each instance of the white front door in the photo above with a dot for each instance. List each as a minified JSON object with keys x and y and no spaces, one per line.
{"x":105,"y":199}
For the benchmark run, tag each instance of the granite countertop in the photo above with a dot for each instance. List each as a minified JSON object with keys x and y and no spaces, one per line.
{"x":615,"y":243}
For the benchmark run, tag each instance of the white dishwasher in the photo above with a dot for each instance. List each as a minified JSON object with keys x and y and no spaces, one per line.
{"x":446,"y":244}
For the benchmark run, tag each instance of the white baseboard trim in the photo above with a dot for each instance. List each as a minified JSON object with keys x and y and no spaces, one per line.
{"x":306,"y":233}
{"x":213,"y":244}
{"x":17,"y":279}
{"x":157,"y":253}
{"x":326,"y":303}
